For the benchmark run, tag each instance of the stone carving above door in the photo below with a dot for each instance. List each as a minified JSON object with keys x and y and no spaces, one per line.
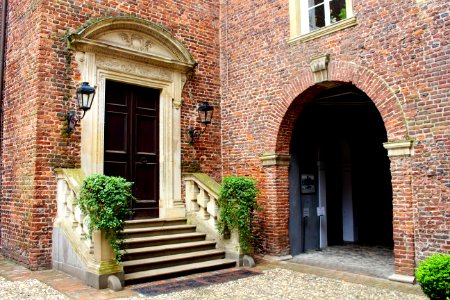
{"x":133,"y":39}
{"x":130,"y":67}
{"x":136,"y":42}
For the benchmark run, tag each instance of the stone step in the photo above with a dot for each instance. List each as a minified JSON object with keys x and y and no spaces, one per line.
{"x":154,"y":222}
{"x":140,"y":242}
{"x":181,"y":270}
{"x":155,"y":251}
{"x":158,"y":230}
{"x":159,"y":262}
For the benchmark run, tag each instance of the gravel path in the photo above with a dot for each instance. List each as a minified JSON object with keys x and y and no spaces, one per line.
{"x":286,"y":284}
{"x":272,"y":284}
{"x":28,"y":289}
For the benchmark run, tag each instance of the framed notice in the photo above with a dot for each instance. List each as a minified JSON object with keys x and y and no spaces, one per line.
{"x":308,"y":184}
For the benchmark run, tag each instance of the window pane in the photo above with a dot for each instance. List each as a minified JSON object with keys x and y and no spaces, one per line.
{"x":337,"y":10}
{"x":312,"y":3}
{"x":316,"y":17}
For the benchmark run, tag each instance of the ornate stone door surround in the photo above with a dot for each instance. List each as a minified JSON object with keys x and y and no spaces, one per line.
{"x":139,"y":52}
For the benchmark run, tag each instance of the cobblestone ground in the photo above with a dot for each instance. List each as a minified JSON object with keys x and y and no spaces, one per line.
{"x":371,"y":261}
{"x":271,"y":284}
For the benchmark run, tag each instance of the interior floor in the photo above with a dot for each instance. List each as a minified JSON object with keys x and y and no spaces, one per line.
{"x":376,"y":261}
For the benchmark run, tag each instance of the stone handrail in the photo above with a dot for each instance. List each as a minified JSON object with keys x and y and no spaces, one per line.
{"x":202,"y":210}
{"x":69,"y":215}
{"x":89,"y":258}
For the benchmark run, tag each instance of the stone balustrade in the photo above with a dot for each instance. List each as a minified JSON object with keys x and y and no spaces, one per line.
{"x":69,"y":211}
{"x":202,"y":210}
{"x":89,"y":258}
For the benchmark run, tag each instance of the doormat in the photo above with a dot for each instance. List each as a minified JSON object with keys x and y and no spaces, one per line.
{"x":200,"y":280}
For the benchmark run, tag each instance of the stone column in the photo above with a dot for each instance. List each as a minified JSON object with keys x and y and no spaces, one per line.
{"x":400,"y":153}
{"x":276,"y":206}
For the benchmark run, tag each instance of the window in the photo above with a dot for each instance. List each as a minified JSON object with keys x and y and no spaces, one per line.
{"x":323,"y":13}
{"x":309,"y":16}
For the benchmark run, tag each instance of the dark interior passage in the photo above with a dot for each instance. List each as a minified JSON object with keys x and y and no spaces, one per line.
{"x":338,"y":140}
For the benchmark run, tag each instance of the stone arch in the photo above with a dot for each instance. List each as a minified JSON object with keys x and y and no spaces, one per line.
{"x":138,"y":52}
{"x":303,"y":88}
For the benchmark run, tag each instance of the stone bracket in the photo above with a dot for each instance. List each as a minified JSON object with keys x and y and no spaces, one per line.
{"x":400,"y":148}
{"x":274,"y":159}
{"x":319,"y":66}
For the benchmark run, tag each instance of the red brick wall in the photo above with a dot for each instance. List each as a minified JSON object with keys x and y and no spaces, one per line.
{"x":398,"y":54}
{"x":40,"y":81}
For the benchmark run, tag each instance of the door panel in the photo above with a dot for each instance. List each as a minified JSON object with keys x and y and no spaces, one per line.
{"x":116,"y":132}
{"x":131,"y":142}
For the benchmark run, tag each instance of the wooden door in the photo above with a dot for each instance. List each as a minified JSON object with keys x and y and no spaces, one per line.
{"x":132,"y":142}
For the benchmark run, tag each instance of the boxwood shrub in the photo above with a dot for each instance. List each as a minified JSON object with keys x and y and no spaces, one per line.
{"x":433,"y":275}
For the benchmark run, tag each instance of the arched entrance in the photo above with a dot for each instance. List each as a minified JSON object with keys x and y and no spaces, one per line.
{"x":340,"y":183}
{"x":277,"y":163}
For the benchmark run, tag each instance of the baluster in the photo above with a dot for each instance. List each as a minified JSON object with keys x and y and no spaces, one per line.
{"x":195,"y":192}
{"x":213,"y":210}
{"x":202,"y":200}
{"x":71,"y":206}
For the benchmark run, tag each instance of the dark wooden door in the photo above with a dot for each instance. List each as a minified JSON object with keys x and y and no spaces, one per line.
{"x":132,"y":142}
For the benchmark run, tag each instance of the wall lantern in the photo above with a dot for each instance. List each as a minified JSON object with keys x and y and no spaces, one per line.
{"x":85,"y":96}
{"x":205,"y":112}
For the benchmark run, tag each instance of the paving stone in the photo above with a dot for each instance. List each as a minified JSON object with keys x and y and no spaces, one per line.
{"x":367,"y":260}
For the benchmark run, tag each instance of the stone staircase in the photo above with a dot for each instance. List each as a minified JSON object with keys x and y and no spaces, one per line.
{"x":164,"y":248}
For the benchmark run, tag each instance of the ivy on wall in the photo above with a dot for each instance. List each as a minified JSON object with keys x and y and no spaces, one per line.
{"x":237,"y":202}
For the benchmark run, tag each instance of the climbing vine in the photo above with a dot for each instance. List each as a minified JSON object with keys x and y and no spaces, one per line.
{"x":237,"y":202}
{"x":106,"y":200}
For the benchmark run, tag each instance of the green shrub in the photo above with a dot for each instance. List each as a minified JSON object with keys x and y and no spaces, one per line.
{"x":433,"y":276}
{"x":237,"y":201}
{"x":106,"y":200}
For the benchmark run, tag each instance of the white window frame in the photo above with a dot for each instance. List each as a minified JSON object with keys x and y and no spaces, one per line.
{"x":299,"y":20}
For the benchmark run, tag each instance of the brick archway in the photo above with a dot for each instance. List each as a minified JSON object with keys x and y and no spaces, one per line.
{"x":303,"y":88}
{"x":301,"y":91}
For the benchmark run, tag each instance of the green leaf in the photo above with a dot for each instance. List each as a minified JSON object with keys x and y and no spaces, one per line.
{"x":237,"y":202}
{"x":106,"y":199}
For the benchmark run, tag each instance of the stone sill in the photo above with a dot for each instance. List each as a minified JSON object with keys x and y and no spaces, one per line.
{"x":324,"y":31}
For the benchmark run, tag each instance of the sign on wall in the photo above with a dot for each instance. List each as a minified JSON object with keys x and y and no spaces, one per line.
{"x":308,"y":184}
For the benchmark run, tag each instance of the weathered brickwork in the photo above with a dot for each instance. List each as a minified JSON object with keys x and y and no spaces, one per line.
{"x":398,"y":54}
{"x":259,"y":82}
{"x":41,"y":78}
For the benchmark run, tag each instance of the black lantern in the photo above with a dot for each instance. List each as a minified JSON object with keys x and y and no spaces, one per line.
{"x":205,"y":112}
{"x":85,"y":97}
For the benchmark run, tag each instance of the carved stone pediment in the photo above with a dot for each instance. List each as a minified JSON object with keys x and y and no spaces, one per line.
{"x":136,"y":42}
{"x":135,"y":39}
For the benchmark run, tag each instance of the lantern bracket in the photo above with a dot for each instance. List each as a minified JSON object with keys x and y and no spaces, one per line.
{"x":85,"y":96}
{"x":194,"y":133}
{"x":73,"y":119}
{"x":205,"y":112}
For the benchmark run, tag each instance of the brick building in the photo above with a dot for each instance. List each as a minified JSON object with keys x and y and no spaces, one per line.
{"x":341,"y":105}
